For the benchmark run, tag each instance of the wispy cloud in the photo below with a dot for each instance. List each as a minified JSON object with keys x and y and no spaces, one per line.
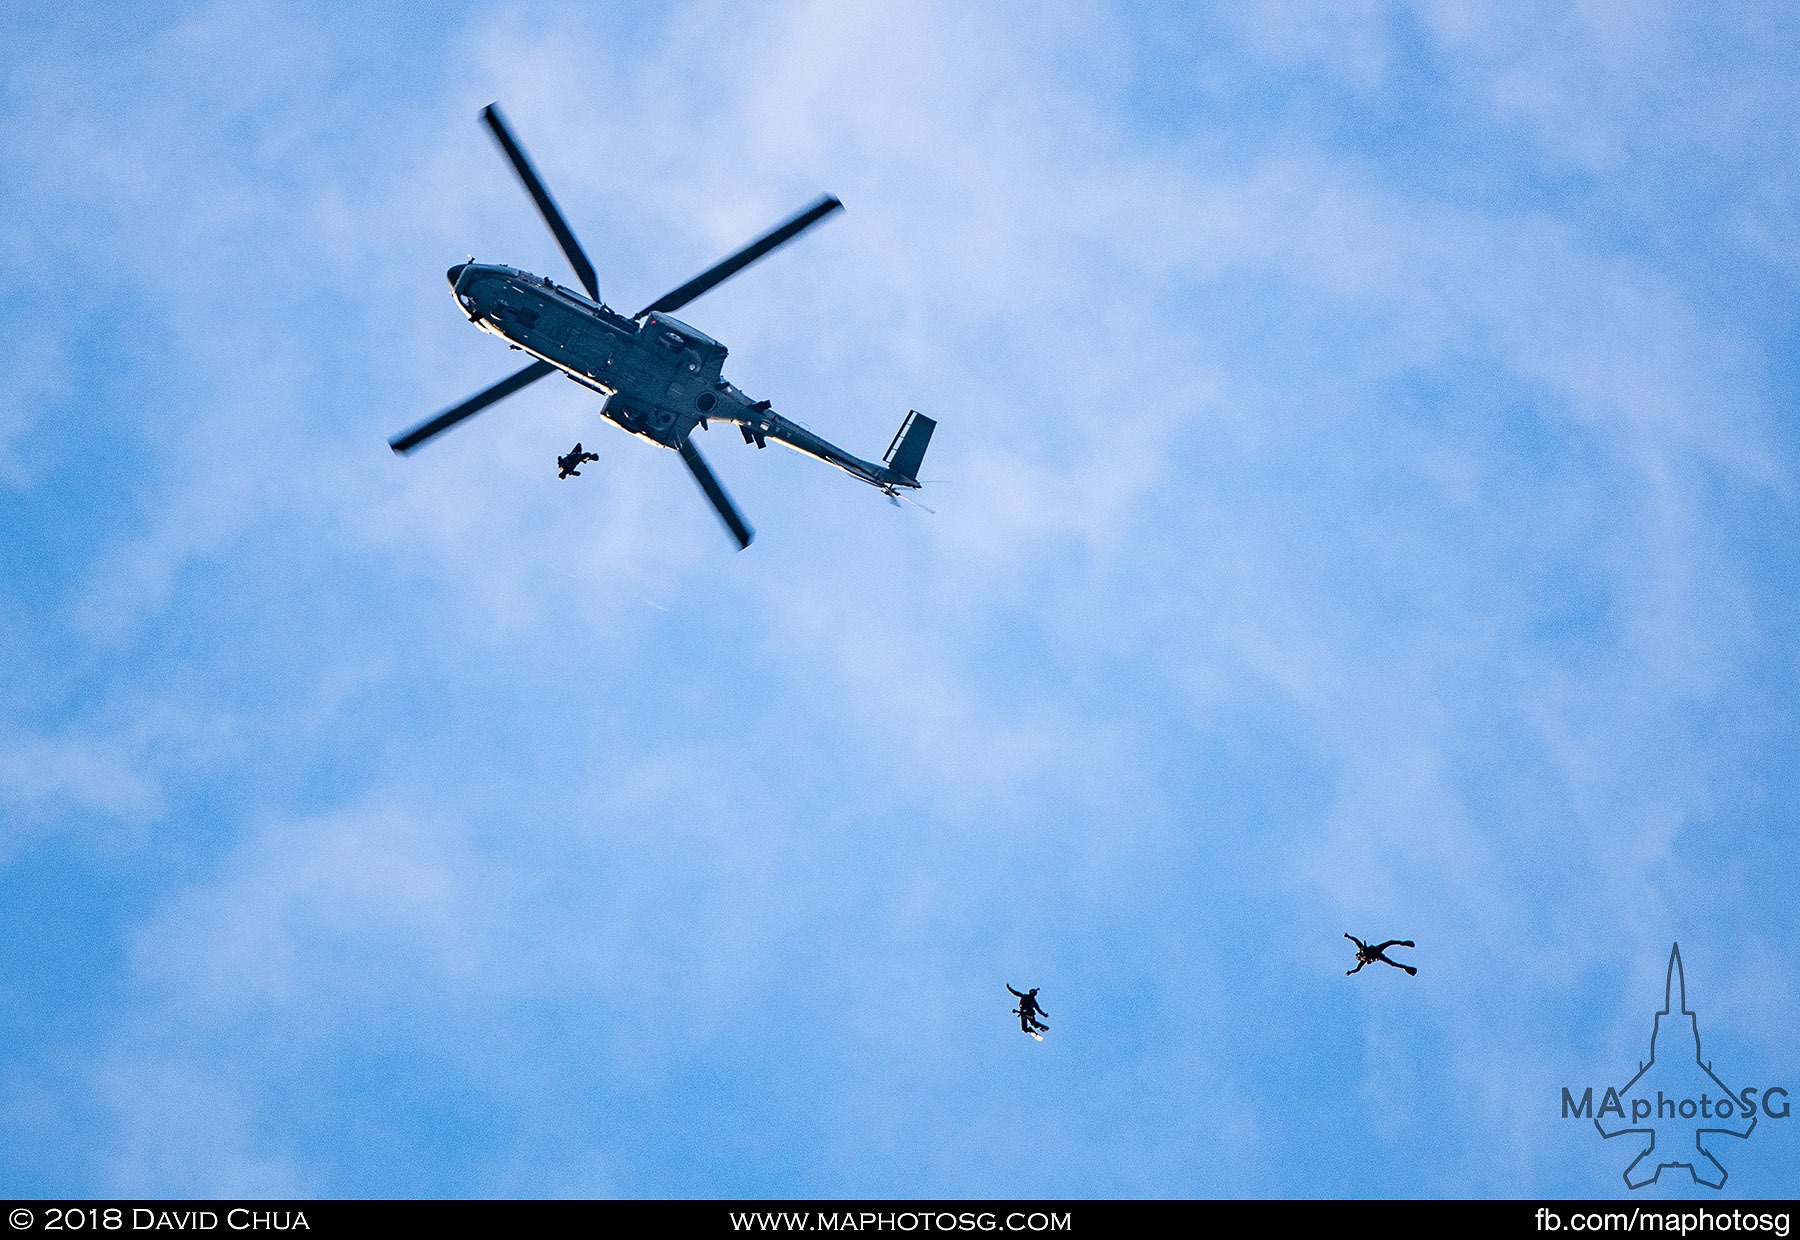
{"x":41,"y":773}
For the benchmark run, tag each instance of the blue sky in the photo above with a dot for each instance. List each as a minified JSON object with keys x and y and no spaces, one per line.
{"x":1365,"y":500}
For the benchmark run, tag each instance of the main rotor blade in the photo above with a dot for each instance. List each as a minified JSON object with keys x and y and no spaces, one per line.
{"x":721,"y":272}
{"x":475,"y":404}
{"x":584,"y":270}
{"x":727,"y":512}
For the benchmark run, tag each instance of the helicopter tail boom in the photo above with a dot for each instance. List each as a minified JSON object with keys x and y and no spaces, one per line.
{"x":760,"y":424}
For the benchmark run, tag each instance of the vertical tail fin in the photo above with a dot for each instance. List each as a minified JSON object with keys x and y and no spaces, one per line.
{"x":907,"y":452}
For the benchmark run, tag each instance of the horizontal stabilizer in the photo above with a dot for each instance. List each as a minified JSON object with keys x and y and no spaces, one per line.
{"x":907,"y":452}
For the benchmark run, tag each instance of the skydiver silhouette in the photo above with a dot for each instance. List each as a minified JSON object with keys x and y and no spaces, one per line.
{"x":570,"y":466}
{"x":1369,"y":955}
{"x":1028,"y":1011}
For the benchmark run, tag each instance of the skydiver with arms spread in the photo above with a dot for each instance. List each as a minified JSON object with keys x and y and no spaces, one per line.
{"x":1366,"y":954}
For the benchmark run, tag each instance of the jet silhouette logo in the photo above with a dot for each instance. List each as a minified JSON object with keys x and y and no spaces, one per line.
{"x":1675,"y":1103}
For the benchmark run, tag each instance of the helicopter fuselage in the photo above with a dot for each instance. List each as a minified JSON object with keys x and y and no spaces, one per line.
{"x":661,"y":378}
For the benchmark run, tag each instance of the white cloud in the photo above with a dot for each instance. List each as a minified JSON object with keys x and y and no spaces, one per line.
{"x":185,"y":1132}
{"x":314,"y":914}
{"x":43,"y":779}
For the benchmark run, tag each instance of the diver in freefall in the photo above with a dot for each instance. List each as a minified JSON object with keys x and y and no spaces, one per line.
{"x":569,"y":466}
{"x":1028,"y":1012}
{"x":1369,"y":955}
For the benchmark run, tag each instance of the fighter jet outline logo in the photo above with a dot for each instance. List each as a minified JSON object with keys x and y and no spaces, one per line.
{"x":1684,"y":1115}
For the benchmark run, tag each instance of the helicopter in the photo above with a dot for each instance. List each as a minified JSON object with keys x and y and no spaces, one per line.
{"x":661,"y":378}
